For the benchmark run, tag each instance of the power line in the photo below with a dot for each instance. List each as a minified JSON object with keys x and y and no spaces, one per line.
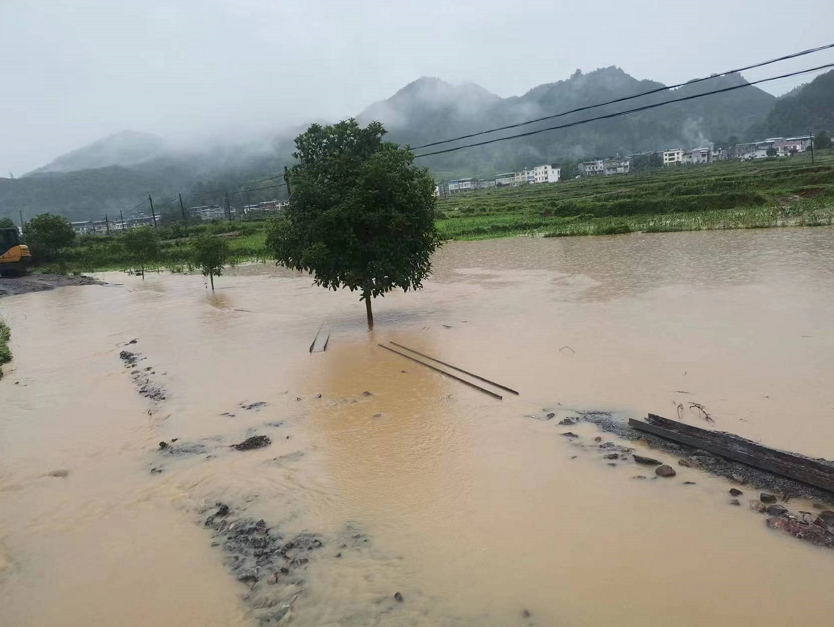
{"x":257,"y":189}
{"x":625,"y":98}
{"x":619,"y":113}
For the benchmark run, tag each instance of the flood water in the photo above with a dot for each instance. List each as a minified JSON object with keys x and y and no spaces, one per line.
{"x":474,"y":511}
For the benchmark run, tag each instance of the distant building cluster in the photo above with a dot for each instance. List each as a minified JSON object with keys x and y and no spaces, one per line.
{"x":102,"y":227}
{"x":270,"y":206}
{"x":605,"y":167}
{"x":771,"y":147}
{"x":204,"y":213}
{"x":547,"y":173}
{"x":776,"y":146}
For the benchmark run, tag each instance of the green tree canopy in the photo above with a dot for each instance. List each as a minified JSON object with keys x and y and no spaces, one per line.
{"x":7,"y":223}
{"x":361,"y":215}
{"x":210,"y":255}
{"x":141,"y":246}
{"x":46,"y":234}
{"x":822,"y":140}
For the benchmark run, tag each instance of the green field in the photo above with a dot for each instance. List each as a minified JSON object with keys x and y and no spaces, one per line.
{"x":772,"y":192}
{"x":730,"y":195}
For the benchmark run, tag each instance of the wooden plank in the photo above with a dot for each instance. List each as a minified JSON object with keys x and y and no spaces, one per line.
{"x":803,"y":473}
{"x":443,"y":372}
{"x":473,"y":375}
{"x":738,"y":441}
{"x":321,"y":340}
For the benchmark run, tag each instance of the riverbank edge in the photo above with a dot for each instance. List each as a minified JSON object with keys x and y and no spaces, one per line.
{"x":5,"y":351}
{"x":719,"y":220}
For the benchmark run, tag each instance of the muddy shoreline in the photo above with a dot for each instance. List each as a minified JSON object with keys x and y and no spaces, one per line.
{"x":12,"y":286}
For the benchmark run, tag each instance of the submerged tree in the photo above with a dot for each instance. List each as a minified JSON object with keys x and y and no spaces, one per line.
{"x":141,"y":246}
{"x":210,"y":255}
{"x":361,"y":215}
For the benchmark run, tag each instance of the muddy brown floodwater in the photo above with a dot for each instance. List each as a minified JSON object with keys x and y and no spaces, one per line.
{"x":471,"y":509}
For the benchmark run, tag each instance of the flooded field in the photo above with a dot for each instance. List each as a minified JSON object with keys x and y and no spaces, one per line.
{"x":388,"y":478}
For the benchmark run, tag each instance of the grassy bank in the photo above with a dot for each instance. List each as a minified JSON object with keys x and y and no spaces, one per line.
{"x":96,"y":253}
{"x":778,"y":192}
{"x":5,"y":352}
{"x":730,"y":195}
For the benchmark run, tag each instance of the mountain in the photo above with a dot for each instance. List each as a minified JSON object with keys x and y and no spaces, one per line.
{"x":118,"y":172}
{"x":809,"y":107}
{"x":429,"y":109}
{"x":128,"y":148}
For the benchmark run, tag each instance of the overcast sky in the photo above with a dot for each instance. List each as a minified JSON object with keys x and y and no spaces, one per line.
{"x":75,"y":71}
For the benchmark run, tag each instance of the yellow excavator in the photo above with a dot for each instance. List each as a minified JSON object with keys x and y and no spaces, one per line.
{"x":14,"y":256}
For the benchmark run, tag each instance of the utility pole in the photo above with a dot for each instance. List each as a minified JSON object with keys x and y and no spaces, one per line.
{"x":107,"y":224}
{"x":228,"y":208}
{"x":182,"y":208}
{"x":21,"y":219}
{"x":287,"y":180}
{"x":811,"y":135}
{"x":122,"y":216}
{"x":153,"y":213}
{"x":248,"y":204}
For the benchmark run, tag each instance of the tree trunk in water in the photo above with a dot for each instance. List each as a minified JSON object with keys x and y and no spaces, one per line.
{"x":369,"y":311}
{"x":143,"y":271}
{"x":211,"y":278}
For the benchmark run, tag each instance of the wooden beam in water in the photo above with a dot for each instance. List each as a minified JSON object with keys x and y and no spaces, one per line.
{"x":735,"y":448}
{"x":443,"y":372}
{"x":475,"y":376}
{"x":321,"y":340}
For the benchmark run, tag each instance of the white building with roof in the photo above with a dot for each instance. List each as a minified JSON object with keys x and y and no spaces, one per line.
{"x":673,"y":156}
{"x":548,"y":173}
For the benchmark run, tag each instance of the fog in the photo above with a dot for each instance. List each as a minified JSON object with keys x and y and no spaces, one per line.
{"x":76,"y":72}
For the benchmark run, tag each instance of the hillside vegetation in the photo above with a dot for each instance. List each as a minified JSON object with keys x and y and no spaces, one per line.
{"x":722,"y":195}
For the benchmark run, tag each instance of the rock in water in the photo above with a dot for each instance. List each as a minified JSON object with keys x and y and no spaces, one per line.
{"x":736,"y":492}
{"x":776,"y":510}
{"x":826,"y":521}
{"x":648,"y":461}
{"x":665,"y":471}
{"x":735,"y":502}
{"x":767,"y":498}
{"x":809,"y":533}
{"x":256,"y":441}
{"x":398,"y":597}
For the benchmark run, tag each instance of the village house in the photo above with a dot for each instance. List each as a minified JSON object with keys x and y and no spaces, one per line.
{"x":673,"y":157}
{"x":592,"y":168}
{"x":699,"y":155}
{"x":548,"y":173}
{"x":82,"y":228}
{"x":462,"y":185}
{"x":616,"y":166}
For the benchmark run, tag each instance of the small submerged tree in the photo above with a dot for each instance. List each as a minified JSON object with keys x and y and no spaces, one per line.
{"x":361,"y":215}
{"x":210,"y":255}
{"x":141,"y":246}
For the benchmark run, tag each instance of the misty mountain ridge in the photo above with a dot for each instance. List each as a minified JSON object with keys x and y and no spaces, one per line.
{"x":126,"y":148}
{"x":118,"y":171}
